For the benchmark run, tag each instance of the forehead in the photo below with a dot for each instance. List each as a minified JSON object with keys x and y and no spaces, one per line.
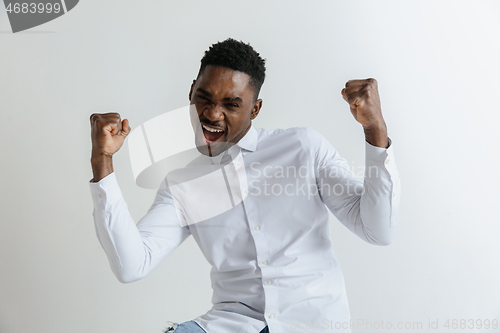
{"x":222,"y":81}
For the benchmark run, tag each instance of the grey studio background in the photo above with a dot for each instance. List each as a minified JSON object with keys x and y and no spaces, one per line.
{"x":437,"y":67}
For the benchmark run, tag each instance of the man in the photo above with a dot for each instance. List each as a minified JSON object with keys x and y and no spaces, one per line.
{"x":273,"y":267}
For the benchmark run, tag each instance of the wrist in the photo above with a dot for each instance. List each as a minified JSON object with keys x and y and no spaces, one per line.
{"x":376,"y":135}
{"x":376,"y":125}
{"x":102,"y":165}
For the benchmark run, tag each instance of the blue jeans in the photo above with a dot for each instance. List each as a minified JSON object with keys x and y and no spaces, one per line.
{"x":193,"y":327}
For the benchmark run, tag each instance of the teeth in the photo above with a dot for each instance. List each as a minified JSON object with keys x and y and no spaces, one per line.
{"x":212,"y":129}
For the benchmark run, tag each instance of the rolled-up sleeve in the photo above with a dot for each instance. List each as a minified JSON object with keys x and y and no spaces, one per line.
{"x":134,"y":251}
{"x":369,"y":208}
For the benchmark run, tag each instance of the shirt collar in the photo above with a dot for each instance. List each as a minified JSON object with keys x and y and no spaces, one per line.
{"x":249,"y":141}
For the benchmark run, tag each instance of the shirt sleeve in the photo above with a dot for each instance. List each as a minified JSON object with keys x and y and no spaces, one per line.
{"x":369,"y":208}
{"x":134,"y":250}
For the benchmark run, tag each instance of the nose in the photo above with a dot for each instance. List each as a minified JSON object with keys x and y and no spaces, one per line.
{"x":213,"y":112}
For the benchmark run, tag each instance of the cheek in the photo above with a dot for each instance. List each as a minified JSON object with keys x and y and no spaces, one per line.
{"x":238,"y":124}
{"x":200,"y":108}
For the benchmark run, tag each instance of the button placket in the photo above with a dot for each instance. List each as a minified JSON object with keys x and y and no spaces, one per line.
{"x":262,"y":251}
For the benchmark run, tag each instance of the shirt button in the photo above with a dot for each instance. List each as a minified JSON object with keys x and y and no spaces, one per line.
{"x":393,"y":194}
{"x":101,"y":195}
{"x":246,"y":191}
{"x":238,"y":164}
{"x":271,"y":316}
{"x":257,"y":228}
{"x":264,"y":262}
{"x":269,"y":282}
{"x":387,"y":161}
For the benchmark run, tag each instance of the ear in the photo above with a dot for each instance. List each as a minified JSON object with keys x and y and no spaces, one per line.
{"x":191,"y":90}
{"x":256,"y":109}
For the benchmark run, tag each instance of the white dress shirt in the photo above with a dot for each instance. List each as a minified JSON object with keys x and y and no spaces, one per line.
{"x":271,"y":252}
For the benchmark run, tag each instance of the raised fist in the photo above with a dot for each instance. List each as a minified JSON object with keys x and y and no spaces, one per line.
{"x":364,"y":101}
{"x":108,"y":132}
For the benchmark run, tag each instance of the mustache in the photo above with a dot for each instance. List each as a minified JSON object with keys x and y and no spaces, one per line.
{"x":216,"y":124}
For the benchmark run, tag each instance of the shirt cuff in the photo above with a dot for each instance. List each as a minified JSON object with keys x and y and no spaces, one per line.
{"x":105,"y":191}
{"x":379,"y":162}
{"x":377,"y":155}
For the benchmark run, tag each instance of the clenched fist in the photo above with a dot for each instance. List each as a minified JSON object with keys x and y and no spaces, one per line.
{"x":108,"y":132}
{"x":364,"y":101}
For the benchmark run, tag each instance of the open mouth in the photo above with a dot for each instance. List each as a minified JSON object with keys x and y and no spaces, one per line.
{"x":212,"y":134}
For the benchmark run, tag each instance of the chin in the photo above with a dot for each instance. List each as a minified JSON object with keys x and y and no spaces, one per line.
{"x":212,"y":150}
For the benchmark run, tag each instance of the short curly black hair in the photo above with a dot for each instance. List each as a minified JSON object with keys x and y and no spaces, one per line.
{"x":237,"y":56}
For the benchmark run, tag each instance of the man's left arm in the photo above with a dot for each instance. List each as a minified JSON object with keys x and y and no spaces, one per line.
{"x":368,"y":208}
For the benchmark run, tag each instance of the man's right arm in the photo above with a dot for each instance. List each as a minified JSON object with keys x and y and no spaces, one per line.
{"x":133,"y":250}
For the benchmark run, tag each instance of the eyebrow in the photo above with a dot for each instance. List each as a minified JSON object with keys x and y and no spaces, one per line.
{"x":227,"y":99}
